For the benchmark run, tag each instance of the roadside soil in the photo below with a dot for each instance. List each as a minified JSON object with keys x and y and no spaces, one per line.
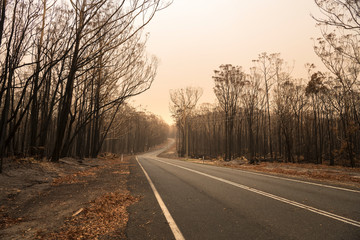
{"x":70,"y":199}
{"x":338,"y":175}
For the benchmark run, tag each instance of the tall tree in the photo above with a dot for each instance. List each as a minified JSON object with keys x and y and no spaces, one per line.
{"x":2,"y":18}
{"x":34,"y":116}
{"x":268,"y":65}
{"x":229,"y":81}
{"x":183,"y":102}
{"x":250,"y":100}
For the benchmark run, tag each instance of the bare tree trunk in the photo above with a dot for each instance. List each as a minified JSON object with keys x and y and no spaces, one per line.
{"x":251,"y":139}
{"x":227,"y":157}
{"x":269,"y":120}
{"x":34,"y":117}
{"x":315,"y":128}
{"x":186,"y":138}
{"x":331,"y":144}
{"x":65,"y":109}
{"x":2,"y":18}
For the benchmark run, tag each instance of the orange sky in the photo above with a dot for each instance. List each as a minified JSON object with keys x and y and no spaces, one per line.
{"x":192,"y":38}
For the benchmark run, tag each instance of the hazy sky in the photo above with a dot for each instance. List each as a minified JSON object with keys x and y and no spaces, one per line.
{"x":192,"y":38}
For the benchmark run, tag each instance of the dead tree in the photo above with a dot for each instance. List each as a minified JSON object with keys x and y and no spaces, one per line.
{"x":229,"y":81}
{"x":183,"y":102}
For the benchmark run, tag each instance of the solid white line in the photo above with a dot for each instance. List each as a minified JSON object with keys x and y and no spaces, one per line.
{"x":300,"y":181}
{"x":281,"y":199}
{"x":174,"y":228}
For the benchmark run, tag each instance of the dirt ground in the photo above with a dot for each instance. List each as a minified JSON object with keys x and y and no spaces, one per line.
{"x":338,"y":175}
{"x":67,"y":200}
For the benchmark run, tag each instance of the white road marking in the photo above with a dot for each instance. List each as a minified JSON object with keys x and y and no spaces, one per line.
{"x":281,"y":199}
{"x":300,"y":181}
{"x":174,"y":228}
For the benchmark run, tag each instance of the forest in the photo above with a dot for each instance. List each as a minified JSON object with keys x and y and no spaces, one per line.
{"x":267,"y":114}
{"x":68,"y":69}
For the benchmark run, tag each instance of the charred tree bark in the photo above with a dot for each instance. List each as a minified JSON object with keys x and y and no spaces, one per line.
{"x":66,"y":105}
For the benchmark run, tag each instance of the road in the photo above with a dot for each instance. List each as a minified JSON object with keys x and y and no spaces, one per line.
{"x":208,"y":202}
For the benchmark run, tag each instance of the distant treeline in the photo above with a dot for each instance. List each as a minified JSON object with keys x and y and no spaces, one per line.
{"x":134,"y":132}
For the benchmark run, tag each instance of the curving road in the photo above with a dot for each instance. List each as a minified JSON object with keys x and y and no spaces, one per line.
{"x":207,"y":202}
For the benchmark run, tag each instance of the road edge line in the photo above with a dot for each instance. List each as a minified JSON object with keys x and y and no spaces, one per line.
{"x":300,"y":181}
{"x":272,"y":196}
{"x":271,"y":175}
{"x":174,"y":228}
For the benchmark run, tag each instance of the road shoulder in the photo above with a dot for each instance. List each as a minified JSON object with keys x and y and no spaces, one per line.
{"x":146,"y":218}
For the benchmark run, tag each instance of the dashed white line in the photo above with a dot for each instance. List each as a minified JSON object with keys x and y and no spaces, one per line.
{"x":281,"y":199}
{"x":174,"y":228}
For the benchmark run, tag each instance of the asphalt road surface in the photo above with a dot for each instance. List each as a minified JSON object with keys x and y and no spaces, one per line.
{"x":207,"y":202}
